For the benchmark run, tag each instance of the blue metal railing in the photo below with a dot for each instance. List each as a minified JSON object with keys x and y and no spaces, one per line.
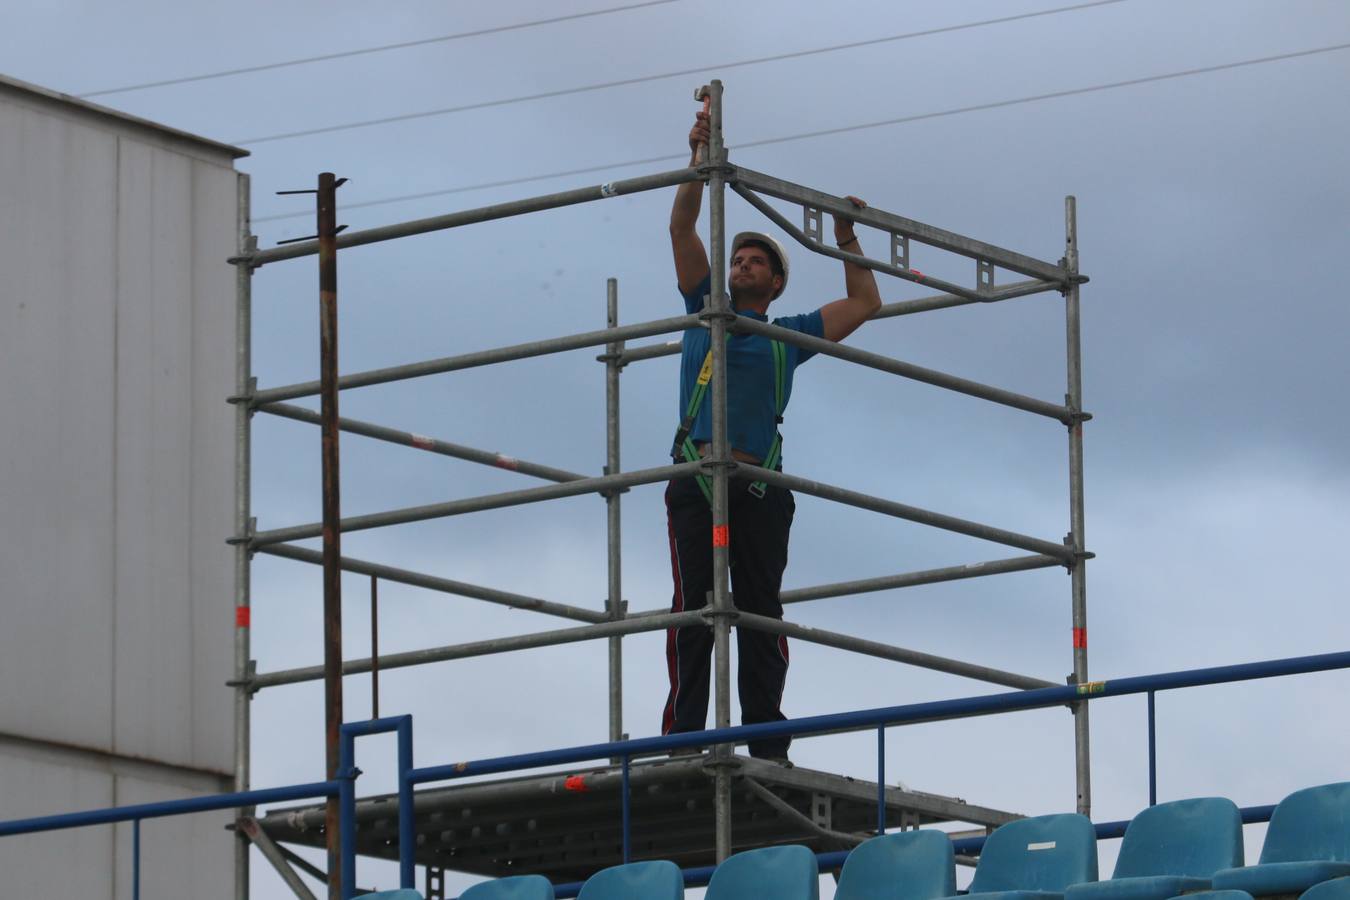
{"x":1152,"y":752}
{"x":343,"y":787}
{"x":134,"y":814}
{"x":348,"y":773}
{"x":164,"y":808}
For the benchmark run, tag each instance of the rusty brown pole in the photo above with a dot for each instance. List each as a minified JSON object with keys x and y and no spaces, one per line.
{"x":332,"y":509}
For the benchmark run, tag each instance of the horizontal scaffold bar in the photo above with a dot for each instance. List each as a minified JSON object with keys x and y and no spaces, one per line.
{"x":888,"y":310}
{"x":483,"y":214}
{"x":1063,"y":553}
{"x":917,"y":231}
{"x":600,"y":484}
{"x":886,"y":651}
{"x":866,"y":262}
{"x":482,"y":358}
{"x":422,"y":442}
{"x":948,"y":301}
{"x":487,"y":647}
{"x":651,"y":351}
{"x":905,"y":370}
{"x":444,"y":585}
{"x":904,"y":580}
{"x":914,"y":579}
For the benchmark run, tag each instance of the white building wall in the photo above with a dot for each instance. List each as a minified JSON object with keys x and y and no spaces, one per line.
{"x":58,"y":201}
{"x":183,"y":856}
{"x":116,"y":486}
{"x":74,"y":863}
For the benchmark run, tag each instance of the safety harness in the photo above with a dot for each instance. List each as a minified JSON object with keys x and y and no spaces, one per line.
{"x":683,"y":446}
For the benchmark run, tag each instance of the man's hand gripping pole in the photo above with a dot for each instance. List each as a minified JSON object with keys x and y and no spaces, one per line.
{"x":701,"y":152}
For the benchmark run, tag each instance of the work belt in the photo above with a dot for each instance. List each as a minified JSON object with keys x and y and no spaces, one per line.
{"x":684,"y":447}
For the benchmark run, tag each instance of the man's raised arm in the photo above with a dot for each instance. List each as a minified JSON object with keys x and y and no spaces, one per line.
{"x":691,"y":259}
{"x":842,"y":317}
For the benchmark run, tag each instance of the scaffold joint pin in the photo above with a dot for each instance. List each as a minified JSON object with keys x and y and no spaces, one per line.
{"x":710,"y":315}
{"x":1074,"y":417}
{"x":248,"y":256}
{"x":730,"y":174}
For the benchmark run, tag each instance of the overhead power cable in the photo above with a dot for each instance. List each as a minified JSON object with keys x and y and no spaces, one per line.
{"x":403,"y":45}
{"x":642,"y":79}
{"x":1035,"y":98}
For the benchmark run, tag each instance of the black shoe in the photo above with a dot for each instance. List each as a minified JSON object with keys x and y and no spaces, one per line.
{"x":781,"y":760}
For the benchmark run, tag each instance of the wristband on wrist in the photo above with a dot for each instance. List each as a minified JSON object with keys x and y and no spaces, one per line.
{"x":850,"y":240}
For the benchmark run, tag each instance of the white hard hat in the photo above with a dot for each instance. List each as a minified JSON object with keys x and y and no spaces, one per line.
{"x":776,"y":248}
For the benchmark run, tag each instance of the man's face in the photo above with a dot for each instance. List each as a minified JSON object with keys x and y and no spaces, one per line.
{"x":752,"y":278}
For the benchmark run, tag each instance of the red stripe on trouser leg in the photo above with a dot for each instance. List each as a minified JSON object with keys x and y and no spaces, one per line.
{"x":1080,"y":638}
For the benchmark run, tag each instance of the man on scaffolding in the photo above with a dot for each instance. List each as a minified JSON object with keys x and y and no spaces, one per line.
{"x":759,"y":382}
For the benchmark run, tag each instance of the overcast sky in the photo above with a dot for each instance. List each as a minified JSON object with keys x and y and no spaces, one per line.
{"x":1213,"y":210}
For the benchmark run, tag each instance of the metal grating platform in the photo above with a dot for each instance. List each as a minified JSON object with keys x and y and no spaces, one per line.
{"x":568,"y":825}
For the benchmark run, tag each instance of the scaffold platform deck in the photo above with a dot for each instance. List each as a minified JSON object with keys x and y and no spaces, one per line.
{"x":568,"y":825}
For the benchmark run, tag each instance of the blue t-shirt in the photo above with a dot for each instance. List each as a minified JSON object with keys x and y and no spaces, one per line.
{"x":751,"y":416}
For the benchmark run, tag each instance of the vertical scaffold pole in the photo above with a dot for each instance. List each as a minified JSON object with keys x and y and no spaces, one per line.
{"x":374,"y":647}
{"x":1074,"y":401}
{"x":243,"y":375}
{"x":612,"y":351}
{"x":332,"y":511}
{"x":720,"y":313}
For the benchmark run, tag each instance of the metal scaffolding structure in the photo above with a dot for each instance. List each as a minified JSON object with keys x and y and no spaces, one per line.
{"x":615,"y":621}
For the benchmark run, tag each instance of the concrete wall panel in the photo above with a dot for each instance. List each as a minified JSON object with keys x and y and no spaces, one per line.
{"x":58,"y":203}
{"x":116,"y":493}
{"x":73,"y":863}
{"x":116,"y":485}
{"x":212,"y":560}
{"x":184,"y":857}
{"x":154,"y":413}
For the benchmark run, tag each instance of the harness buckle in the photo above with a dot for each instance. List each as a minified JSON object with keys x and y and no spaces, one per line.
{"x":756,"y":490}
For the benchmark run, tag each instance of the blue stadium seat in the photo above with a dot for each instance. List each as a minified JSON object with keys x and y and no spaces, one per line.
{"x":655,"y":880}
{"x":1169,"y":849}
{"x":907,"y":865}
{"x":1335,"y":889}
{"x":780,"y":873}
{"x":1307,"y":842}
{"x":1216,"y":895}
{"x":1036,"y":859}
{"x":519,"y":887}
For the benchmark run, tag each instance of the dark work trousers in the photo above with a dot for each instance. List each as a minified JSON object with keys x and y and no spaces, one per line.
{"x":759,"y":529}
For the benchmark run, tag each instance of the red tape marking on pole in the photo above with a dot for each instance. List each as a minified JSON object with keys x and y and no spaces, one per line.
{"x":242,"y":616}
{"x":1080,"y":638}
{"x":721,"y":536}
{"x":576,"y":783}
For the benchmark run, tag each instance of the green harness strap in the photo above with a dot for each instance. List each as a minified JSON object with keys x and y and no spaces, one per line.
{"x":684,"y":446}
